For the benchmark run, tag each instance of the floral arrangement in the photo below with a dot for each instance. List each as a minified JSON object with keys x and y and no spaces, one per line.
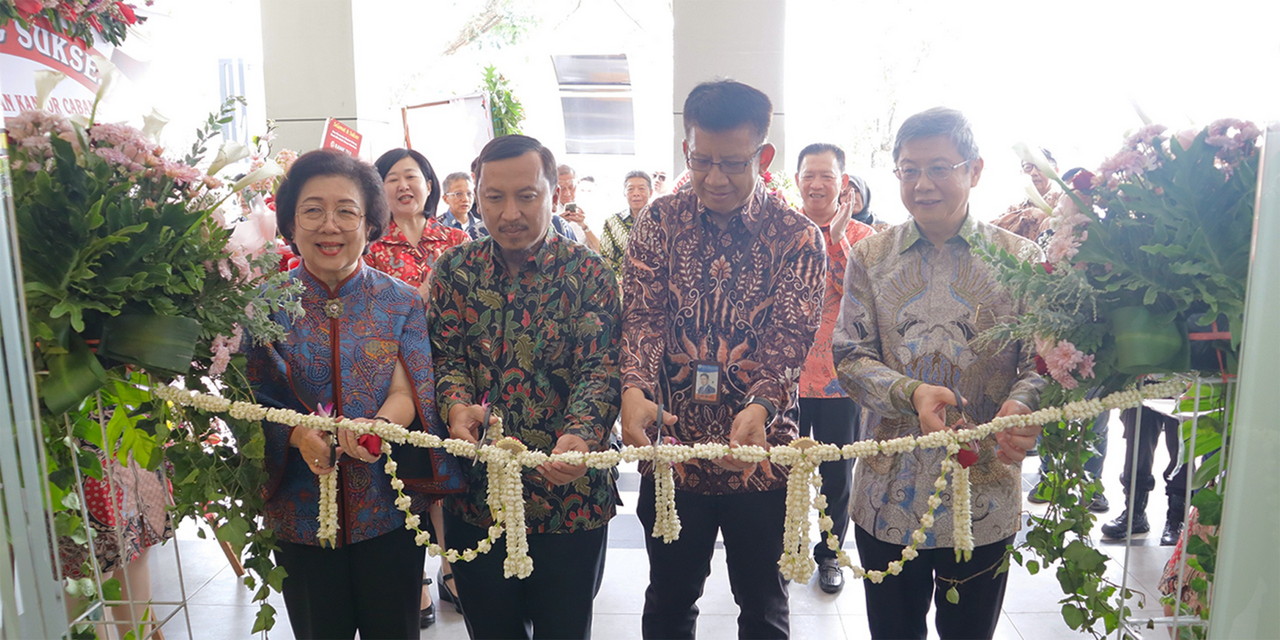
{"x":1142,"y":255}
{"x":80,"y":19}
{"x":1157,"y":238}
{"x":134,"y":278}
{"x":507,"y":457}
{"x":260,"y":195}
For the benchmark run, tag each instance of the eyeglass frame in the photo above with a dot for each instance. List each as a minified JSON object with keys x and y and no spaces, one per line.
{"x":328,"y":214}
{"x":950,"y":171}
{"x":469,"y":194}
{"x":688,"y":162}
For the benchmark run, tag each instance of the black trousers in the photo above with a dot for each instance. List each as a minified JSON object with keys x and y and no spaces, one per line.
{"x":751,"y":524}
{"x":1153,"y":423}
{"x":555,"y":601}
{"x":370,"y":586}
{"x":834,"y":421}
{"x":896,"y":608}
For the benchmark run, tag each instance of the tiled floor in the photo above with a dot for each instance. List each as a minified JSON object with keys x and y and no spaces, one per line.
{"x":219,"y":606}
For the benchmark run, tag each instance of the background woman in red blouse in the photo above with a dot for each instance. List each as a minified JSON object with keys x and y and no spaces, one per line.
{"x":414,"y":239}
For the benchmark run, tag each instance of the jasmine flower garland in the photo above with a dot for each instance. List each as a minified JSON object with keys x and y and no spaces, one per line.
{"x":327,"y":534}
{"x":961,"y":509}
{"x":666,"y":522}
{"x":508,"y":457}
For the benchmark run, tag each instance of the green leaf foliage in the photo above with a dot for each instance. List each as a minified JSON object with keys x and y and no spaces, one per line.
{"x":504,"y":109}
{"x":129,"y":282}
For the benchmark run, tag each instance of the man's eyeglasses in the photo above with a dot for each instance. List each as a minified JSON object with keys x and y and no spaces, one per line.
{"x":465,"y":194}
{"x":346,"y":218}
{"x":727,"y":167}
{"x":936,"y":173}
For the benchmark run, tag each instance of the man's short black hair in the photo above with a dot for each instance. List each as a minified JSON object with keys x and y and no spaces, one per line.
{"x":938,"y":121}
{"x":514,"y":146}
{"x":724,"y":105}
{"x":821,"y":147}
{"x":327,"y":162}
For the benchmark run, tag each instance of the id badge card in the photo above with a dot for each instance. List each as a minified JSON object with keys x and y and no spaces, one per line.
{"x":706,"y":381}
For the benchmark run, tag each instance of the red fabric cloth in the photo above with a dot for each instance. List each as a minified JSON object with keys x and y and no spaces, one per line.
{"x":412,"y":263}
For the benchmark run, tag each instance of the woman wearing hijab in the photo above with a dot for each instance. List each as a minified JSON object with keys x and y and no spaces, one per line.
{"x":858,"y":196}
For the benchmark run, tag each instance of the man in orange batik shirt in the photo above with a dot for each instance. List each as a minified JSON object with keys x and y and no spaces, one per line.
{"x":826,"y":412}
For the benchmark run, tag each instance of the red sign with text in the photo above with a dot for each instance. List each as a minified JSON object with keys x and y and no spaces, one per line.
{"x":25,"y":50}
{"x":341,"y":137}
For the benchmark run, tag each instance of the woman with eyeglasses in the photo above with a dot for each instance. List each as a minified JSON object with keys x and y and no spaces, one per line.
{"x":360,"y":351}
{"x":414,"y":238}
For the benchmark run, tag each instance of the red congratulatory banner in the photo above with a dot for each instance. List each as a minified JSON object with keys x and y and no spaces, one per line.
{"x":25,"y":50}
{"x":53,"y":50}
{"x":341,"y":137}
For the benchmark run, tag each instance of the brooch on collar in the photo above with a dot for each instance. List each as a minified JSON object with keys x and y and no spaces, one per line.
{"x":333,"y":307}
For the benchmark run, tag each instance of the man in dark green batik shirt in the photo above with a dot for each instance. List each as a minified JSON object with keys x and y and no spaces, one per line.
{"x":528,"y":321}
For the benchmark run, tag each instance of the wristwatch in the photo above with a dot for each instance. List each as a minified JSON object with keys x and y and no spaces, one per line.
{"x":770,"y":409}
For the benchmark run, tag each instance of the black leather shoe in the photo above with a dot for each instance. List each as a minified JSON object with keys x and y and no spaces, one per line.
{"x":1117,"y":529}
{"x":1099,"y":504}
{"x":427,"y":617}
{"x":830,"y":578}
{"x":1172,"y":531}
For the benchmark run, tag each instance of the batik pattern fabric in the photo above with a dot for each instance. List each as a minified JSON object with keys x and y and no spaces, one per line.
{"x":613,"y":239}
{"x":748,"y":297}
{"x":343,"y":352}
{"x":394,"y":254}
{"x":541,"y":347}
{"x":127,"y":513}
{"x":1026,"y":218}
{"x":818,"y":377}
{"x":911,"y":314}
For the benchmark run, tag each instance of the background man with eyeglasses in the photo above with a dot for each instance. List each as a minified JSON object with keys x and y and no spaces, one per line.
{"x":915,"y":298}
{"x":460,"y":195}
{"x":722,"y":279}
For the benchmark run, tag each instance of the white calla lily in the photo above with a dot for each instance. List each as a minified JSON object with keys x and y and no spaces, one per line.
{"x":107,"y":73}
{"x":46,"y":80}
{"x":1034,"y":156}
{"x":269,"y":169}
{"x":231,"y":151}
{"x":152,"y":124}
{"x":1036,"y":199}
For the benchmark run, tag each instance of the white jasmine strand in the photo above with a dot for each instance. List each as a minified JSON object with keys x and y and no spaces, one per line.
{"x":507,"y":458}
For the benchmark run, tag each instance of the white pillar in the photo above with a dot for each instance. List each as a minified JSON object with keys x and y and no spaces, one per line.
{"x":1247,"y":581}
{"x":737,"y":39}
{"x":310,"y":53}
{"x":308,"y":68}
